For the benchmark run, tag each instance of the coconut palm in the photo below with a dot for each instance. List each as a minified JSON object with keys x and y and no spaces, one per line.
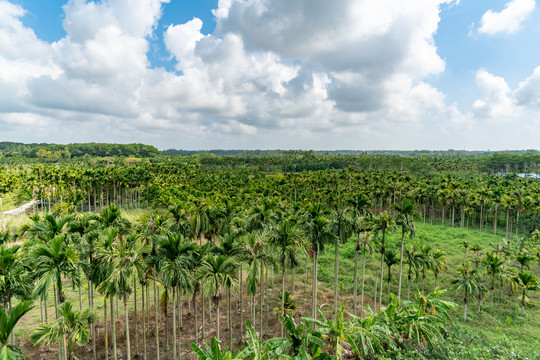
{"x":527,"y":282}
{"x":71,"y":325}
{"x":7,"y":324}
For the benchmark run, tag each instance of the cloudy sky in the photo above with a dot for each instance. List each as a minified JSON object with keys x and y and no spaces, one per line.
{"x":269,"y":74}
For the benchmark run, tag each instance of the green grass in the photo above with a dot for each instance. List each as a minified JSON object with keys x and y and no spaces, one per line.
{"x":500,"y":324}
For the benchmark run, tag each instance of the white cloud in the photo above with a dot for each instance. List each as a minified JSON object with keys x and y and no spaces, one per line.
{"x":496,"y":101}
{"x":276,"y":73}
{"x":508,"y":20}
{"x":528,"y":91}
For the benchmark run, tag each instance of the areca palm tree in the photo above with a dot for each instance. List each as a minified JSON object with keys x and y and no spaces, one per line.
{"x":426,"y":262}
{"x":52,"y":261}
{"x":391,"y":258}
{"x":175,"y":260}
{"x":217,"y":272}
{"x":468,"y":281}
{"x":7,"y":324}
{"x":318,"y":235}
{"x":71,"y":325}
{"x":286,"y":238}
{"x":494,"y":268}
{"x":413,"y":259}
{"x":126,"y":262}
{"x":359,"y":208}
{"x":439,"y":263}
{"x":527,"y":282}
{"x":404,"y":219}
{"x":367,"y":248}
{"x":253,"y":252}
{"x":383,"y":223}
{"x":342,"y":227}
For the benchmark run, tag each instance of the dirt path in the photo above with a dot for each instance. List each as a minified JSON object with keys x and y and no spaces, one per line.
{"x":20,"y":210}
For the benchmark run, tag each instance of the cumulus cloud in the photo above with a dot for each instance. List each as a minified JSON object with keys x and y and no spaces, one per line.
{"x":496,"y":99}
{"x":275,"y":73}
{"x":508,"y":20}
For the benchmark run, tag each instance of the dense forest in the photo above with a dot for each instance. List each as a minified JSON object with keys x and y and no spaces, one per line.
{"x":291,"y":255}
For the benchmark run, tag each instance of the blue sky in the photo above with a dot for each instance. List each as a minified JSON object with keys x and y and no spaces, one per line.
{"x":307,"y":74}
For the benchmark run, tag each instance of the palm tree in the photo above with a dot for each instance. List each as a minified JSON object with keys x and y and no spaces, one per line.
{"x":366,"y":249}
{"x":439,"y":263}
{"x":426,"y":262}
{"x":494,"y":268}
{"x":217,"y":272}
{"x":341,"y":227}
{"x":413,"y":259}
{"x":175,"y":259}
{"x":286,"y":238}
{"x":52,"y":261}
{"x":391,"y":258}
{"x":71,"y":325}
{"x":253,"y":252}
{"x":468,"y":281}
{"x":103,"y":269}
{"x":527,"y":282}
{"x":48,"y":227}
{"x":359,"y":207}
{"x":404,"y":218}
{"x":7,"y":324}
{"x":383,"y":223}
{"x":318,"y":235}
{"x":126,"y":259}
{"x":13,"y":276}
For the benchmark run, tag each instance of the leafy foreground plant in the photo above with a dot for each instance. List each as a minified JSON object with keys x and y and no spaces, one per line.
{"x":417,"y":324}
{"x":71,"y":325}
{"x":7,"y":323}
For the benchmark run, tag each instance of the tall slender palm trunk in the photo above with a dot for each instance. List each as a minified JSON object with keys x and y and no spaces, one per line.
{"x":282,"y":296}
{"x":401,"y":263}
{"x":128,"y":345}
{"x":113,"y":328}
{"x":217,"y":321}
{"x":144,"y":312}
{"x":355,"y":281}
{"x":105,"y":327}
{"x":336,"y":270}
{"x":156,"y":320}
{"x":136,"y":315}
{"x":363,"y":282}
{"x":174,"y":323}
{"x":314,"y":287}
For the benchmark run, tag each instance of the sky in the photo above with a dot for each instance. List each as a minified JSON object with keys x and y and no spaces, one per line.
{"x":272,"y":74}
